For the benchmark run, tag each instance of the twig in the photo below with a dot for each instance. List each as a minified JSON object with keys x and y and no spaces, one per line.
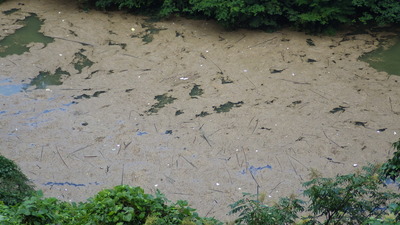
{"x":79,"y":42}
{"x":210,"y":210}
{"x":255,"y":126}
{"x":80,"y":149}
{"x":262,"y":42}
{"x":61,"y":157}
{"x":220,"y":70}
{"x":155,"y":127}
{"x":126,"y":145}
{"x":295,"y":82}
{"x":203,"y":136}
{"x":41,"y":154}
{"x":258,"y":186}
{"x":188,"y":161}
{"x":275,"y":187}
{"x":295,"y":169}
{"x":333,"y":141}
{"x":391,"y":107}
{"x":122,"y":174}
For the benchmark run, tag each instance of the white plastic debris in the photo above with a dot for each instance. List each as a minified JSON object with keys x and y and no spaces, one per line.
{"x":133,"y":29}
{"x":217,"y":184}
{"x":355,"y":164}
{"x":156,"y":185}
{"x":60,"y":54}
{"x":394,"y":133}
{"x":184,"y":78}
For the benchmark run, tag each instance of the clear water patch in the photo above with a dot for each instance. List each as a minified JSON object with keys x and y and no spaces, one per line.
{"x":386,"y":58}
{"x":46,"y":78}
{"x":17,"y":43}
{"x":8,"y":88}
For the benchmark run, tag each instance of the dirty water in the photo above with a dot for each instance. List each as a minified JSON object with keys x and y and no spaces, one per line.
{"x":198,"y":112}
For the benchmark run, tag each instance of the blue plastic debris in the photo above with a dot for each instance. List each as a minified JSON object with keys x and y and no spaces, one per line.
{"x":254,"y":170}
{"x":63,"y":183}
{"x":141,"y":133}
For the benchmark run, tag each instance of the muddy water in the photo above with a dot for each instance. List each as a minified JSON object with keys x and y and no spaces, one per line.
{"x":186,"y":107}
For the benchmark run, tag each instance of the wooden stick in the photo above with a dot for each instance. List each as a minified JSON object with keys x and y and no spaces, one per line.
{"x":61,"y":158}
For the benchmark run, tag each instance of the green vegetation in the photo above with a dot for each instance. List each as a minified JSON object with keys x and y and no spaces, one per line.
{"x":14,"y":185}
{"x":314,"y":16}
{"x":362,"y":197}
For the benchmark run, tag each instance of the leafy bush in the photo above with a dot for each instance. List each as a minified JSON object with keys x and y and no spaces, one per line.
{"x":126,"y":204}
{"x":359,"y":198}
{"x":14,"y":185}
{"x":121,"y":205}
{"x":391,"y":169}
{"x":254,"y":211}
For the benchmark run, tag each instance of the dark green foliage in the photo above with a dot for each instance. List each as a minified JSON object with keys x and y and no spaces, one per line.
{"x":125,"y":204}
{"x":314,"y":16}
{"x":254,"y":212}
{"x":14,"y":185}
{"x":121,"y":205}
{"x":380,"y":12}
{"x":348,"y":199}
{"x":391,"y":169}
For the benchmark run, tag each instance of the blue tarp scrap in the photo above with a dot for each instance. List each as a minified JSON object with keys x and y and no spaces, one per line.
{"x":141,"y":133}
{"x":68,"y":184}
{"x":254,"y":170}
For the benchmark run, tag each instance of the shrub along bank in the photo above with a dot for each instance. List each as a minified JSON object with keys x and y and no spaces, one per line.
{"x":314,"y":16}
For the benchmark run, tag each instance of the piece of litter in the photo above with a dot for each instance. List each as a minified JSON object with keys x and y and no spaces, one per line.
{"x":184,"y":78}
{"x":132,"y":29}
{"x":245,"y":71}
{"x":217,"y":184}
{"x":60,"y":54}
{"x":156,"y":185}
{"x":269,"y":196}
{"x":394,"y":133}
{"x":239,"y":188}
{"x":292,"y":74}
{"x":355,"y":164}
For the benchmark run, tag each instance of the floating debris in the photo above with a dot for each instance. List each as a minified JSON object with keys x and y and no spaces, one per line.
{"x":163,"y":100}
{"x":45,"y":78}
{"x":10,"y":11}
{"x":253,"y":170}
{"x":226,"y":80}
{"x":338,"y":109}
{"x":227,"y":106}
{"x":196,"y":91}
{"x":122,"y":45}
{"x":358,"y":123}
{"x":293,"y":104}
{"x":81,"y":61}
{"x":147,"y":35}
{"x":202,"y":114}
{"x":272,"y":70}
{"x":178,"y":112}
{"x":310,"y":42}
{"x":96,"y":94}
{"x":141,"y":133}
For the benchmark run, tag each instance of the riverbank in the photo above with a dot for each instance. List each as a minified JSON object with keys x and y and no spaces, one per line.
{"x":189,"y":108}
